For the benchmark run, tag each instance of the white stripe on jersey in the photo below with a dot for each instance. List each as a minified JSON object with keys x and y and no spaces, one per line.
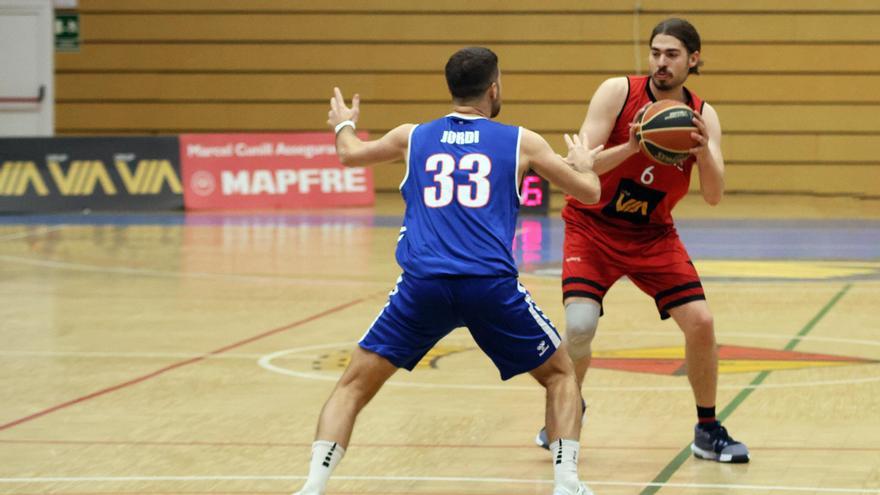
{"x":516,"y":182}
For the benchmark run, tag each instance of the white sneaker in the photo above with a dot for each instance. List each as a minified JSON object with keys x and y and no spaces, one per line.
{"x":582,"y":489}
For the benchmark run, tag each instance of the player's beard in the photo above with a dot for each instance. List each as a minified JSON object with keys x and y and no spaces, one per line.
{"x":496,"y":108}
{"x":667,"y":83}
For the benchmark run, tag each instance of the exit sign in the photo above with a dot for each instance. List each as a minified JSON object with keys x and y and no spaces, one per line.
{"x":66,"y":32}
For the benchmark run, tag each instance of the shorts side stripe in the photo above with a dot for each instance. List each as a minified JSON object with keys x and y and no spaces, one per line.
{"x":394,"y":291}
{"x":679,"y":288}
{"x":545,"y":327}
{"x":581,"y":293}
{"x":683,"y":300}
{"x":585,"y":281}
{"x":539,"y":318}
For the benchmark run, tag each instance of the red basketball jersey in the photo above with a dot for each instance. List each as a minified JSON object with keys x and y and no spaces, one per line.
{"x":638,"y":195}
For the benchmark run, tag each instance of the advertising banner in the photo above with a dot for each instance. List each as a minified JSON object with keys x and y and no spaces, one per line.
{"x":94,"y":173}
{"x":261,"y":171}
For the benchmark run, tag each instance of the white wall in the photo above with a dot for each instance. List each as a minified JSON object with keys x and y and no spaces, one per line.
{"x":27,"y":50}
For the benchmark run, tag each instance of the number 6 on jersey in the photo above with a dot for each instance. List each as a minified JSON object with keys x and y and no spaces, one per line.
{"x":472,"y":195}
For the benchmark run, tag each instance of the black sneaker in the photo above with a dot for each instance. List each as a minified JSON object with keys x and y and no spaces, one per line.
{"x":541,"y":439}
{"x":716,"y":445}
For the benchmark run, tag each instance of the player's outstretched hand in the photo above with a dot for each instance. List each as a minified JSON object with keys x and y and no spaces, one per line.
{"x":339,"y":112}
{"x":579,"y":156}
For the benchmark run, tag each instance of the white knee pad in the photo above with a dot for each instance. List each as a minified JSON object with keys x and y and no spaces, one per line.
{"x":581,"y":321}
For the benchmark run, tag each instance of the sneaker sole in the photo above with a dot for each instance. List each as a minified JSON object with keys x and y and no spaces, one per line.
{"x":712,"y":456}
{"x":540,"y":442}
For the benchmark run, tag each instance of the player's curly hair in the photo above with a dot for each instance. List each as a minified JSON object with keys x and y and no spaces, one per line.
{"x":684,"y":32}
{"x":470,"y":71}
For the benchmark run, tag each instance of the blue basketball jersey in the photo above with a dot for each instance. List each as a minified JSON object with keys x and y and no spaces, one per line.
{"x":462,"y":198}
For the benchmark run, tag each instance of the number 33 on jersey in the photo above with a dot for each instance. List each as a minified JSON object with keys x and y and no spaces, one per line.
{"x":466,"y":166}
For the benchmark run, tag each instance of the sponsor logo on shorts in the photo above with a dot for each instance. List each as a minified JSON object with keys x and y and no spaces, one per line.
{"x":542,"y":348}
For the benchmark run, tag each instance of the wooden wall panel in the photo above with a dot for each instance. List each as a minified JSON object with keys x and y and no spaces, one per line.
{"x":794,"y":81}
{"x":735,"y":119}
{"x":518,"y":88}
{"x":469,"y":29}
{"x":407,"y":58}
{"x":482,"y":5}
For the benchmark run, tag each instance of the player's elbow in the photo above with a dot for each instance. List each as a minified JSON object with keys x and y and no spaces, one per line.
{"x":712,"y":199}
{"x":589,"y":195}
{"x":346,"y":158}
{"x":594,"y":197}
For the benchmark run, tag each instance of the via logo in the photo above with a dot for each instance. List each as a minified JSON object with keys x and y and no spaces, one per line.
{"x":542,"y":348}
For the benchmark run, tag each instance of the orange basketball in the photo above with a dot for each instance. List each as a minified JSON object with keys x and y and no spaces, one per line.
{"x":664,"y":132}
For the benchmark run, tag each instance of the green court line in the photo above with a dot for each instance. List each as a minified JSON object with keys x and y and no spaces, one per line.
{"x":678,"y":460}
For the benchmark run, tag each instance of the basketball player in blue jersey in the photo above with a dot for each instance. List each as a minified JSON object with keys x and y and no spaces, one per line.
{"x":462,"y":197}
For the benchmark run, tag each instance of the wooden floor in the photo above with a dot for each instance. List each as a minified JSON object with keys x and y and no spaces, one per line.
{"x":171,"y":354}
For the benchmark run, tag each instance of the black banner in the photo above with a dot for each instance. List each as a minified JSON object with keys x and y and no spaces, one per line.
{"x":95,"y":173}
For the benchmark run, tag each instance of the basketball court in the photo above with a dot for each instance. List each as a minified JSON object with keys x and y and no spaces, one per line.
{"x":181,"y":354}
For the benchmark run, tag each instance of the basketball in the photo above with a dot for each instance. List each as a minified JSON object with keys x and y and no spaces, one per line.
{"x":664,"y":132}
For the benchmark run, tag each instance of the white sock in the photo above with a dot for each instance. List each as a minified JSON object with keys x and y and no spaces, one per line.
{"x":565,"y":464}
{"x":325,"y":456}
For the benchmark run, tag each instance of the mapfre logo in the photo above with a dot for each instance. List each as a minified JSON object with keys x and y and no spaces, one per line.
{"x":85,"y":177}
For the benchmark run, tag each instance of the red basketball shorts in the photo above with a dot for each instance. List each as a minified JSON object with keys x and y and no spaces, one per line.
{"x":595,"y":258}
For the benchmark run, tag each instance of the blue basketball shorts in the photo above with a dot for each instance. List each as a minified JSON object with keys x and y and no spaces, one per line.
{"x":499,"y":313}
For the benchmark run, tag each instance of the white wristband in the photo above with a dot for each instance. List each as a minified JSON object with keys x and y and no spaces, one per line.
{"x":343,"y":124}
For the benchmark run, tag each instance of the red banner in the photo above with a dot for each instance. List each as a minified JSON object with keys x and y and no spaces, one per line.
{"x":253,"y":171}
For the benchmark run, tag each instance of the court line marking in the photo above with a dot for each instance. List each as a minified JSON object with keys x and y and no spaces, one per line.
{"x":265,"y":362}
{"x":178,"y":364}
{"x":134,"y":355}
{"x":448,"y":479}
{"x":672,"y":467}
{"x":480,"y":446}
{"x":30,"y":233}
{"x":247,"y":356}
{"x":149,"y":272}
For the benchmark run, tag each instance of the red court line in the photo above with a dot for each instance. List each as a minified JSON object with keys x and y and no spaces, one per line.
{"x":180,"y":364}
{"x":297,"y":445}
{"x":252,"y":492}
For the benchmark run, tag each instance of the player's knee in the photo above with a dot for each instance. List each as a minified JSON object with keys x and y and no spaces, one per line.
{"x":554,"y":371}
{"x":701,"y":329}
{"x":581,"y":322}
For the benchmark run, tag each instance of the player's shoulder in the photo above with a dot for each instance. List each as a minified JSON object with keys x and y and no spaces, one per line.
{"x":612,"y":91}
{"x":530,"y":139}
{"x":401,"y":133}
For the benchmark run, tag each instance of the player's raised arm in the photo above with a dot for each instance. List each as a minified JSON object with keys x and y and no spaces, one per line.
{"x":601,"y":115}
{"x":573,"y":174}
{"x":351,"y":150}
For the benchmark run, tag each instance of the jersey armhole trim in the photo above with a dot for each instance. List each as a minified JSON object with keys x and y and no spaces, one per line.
{"x":406,"y":160}
{"x":625,"y":100}
{"x":516,"y":182}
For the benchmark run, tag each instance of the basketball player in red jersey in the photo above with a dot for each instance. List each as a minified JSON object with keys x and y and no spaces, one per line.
{"x":630,"y":230}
